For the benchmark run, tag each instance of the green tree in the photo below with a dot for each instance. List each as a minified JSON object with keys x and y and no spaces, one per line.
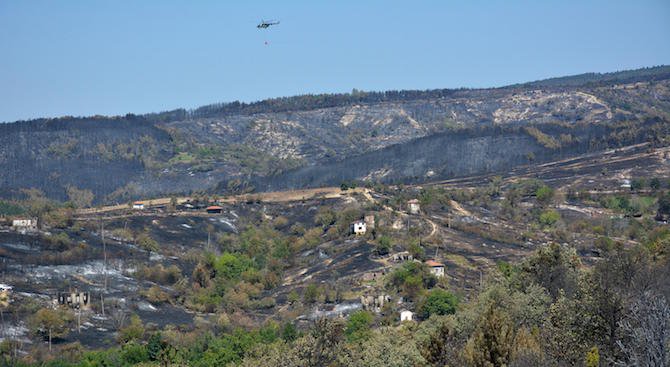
{"x":655,"y":183}
{"x":383,"y":245}
{"x":554,"y":267}
{"x":322,"y":346}
{"x":412,"y":287}
{"x":358,"y":326}
{"x":201,"y":275}
{"x":411,"y":279}
{"x":442,"y":345}
{"x":79,"y":198}
{"x":664,"y":204}
{"x":146,"y":243}
{"x":438,"y":302}
{"x":289,"y":332}
{"x":390,"y":348}
{"x":549,"y":217}
{"x":133,"y":331}
{"x":231,"y":266}
{"x":133,"y":353}
{"x":544,"y":195}
{"x":325,"y":217}
{"x":50,"y":324}
{"x":492,"y":343}
{"x":567,"y":330}
{"x":311,"y":294}
{"x":637,"y":184}
{"x":415,"y":249}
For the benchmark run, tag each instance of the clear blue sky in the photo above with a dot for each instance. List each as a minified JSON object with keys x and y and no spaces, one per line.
{"x":113,"y":57}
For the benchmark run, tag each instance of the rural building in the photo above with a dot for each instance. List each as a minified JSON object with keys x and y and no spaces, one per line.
{"x":625,"y":184}
{"x":402,"y":257}
{"x":436,"y":268}
{"x":374,"y":303}
{"x":4,"y":294}
{"x":406,"y":315}
{"x":74,"y":299}
{"x":214,"y":209}
{"x":138,"y":205}
{"x":358,"y":227}
{"x":413,"y":206}
{"x":24,"y":225}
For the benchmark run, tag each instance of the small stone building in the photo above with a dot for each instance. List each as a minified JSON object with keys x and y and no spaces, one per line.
{"x":413,"y":206}
{"x":406,"y":315}
{"x":402,"y":257}
{"x":374,"y":302}
{"x":24,"y":225}
{"x":74,"y":299}
{"x":435,"y":268}
{"x":214,"y":209}
{"x":358,"y":227}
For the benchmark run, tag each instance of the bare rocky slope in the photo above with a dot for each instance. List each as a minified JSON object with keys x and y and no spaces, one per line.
{"x":395,"y":136}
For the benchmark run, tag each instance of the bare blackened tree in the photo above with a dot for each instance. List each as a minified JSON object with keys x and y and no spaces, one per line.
{"x":646,"y":333}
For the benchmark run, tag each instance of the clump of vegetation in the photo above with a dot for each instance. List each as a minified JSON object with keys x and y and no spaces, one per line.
{"x":543,"y":139}
{"x":412,"y":279}
{"x":159,"y":274}
{"x":10,"y":209}
{"x":549,"y":217}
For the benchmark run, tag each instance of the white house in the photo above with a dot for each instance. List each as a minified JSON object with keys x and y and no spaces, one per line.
{"x":436,"y":268}
{"x":414,"y":207}
{"x":358,"y":227}
{"x":406,"y":315}
{"x":138,"y":205}
{"x":24,"y":225}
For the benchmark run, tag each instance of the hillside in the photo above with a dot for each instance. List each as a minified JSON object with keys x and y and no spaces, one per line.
{"x":310,"y":141}
{"x":587,"y":239}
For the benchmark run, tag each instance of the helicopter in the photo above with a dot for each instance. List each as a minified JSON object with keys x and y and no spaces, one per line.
{"x":266,"y":23}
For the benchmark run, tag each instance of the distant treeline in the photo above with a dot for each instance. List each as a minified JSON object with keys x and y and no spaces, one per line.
{"x":317,"y":101}
{"x":301,"y":103}
{"x":597,"y":79}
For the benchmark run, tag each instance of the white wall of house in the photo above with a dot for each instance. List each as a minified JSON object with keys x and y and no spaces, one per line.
{"x":438,"y":271}
{"x":24,"y":224}
{"x":359,"y":227}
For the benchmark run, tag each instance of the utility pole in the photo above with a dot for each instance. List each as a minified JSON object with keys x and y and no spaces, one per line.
{"x":104,"y":252}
